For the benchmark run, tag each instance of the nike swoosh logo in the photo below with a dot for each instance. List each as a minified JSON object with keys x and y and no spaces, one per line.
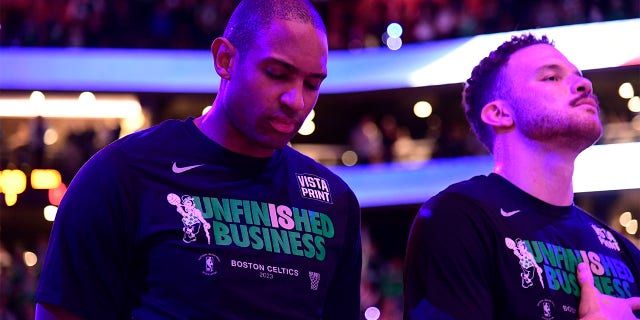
{"x":177,"y":169}
{"x":508,"y":213}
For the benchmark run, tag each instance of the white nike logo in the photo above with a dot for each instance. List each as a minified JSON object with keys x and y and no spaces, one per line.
{"x":508,"y":213}
{"x":177,"y":169}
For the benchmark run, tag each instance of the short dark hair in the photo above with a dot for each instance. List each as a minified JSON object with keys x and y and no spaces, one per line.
{"x":485,"y":84}
{"x":253,"y":17}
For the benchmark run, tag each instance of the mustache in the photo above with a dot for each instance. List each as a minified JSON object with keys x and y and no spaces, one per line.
{"x":588,"y":98}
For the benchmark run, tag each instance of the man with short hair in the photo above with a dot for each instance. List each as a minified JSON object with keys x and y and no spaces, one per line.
{"x":216,"y":217}
{"x":512,"y":244}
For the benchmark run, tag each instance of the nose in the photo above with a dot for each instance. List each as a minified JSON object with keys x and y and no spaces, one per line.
{"x":584,"y":85}
{"x":293,"y":99}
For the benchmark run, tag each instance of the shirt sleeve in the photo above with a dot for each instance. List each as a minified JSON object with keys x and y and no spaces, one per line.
{"x":343,"y":297}
{"x":86,"y":269}
{"x":448,"y":261}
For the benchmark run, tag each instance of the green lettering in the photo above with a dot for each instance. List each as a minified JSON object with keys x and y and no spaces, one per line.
{"x":236,"y":209}
{"x":267,"y":239}
{"x":609,"y":267}
{"x":220,"y":233}
{"x":256,"y":238}
{"x":534,"y":248}
{"x":320,"y":246}
{"x":548,"y":254}
{"x":240,"y":235}
{"x":221,"y":211}
{"x":564,"y":280}
{"x":294,"y":240}
{"x":550,"y":274}
{"x":246,"y":205}
{"x":570,"y":260}
{"x":301,"y":219}
{"x":327,"y":226}
{"x":280,"y":241}
{"x":596,"y":283}
{"x":260,"y":212}
{"x":307,"y":241}
{"x":560,"y":256}
{"x":207,"y":212}
{"x":315,"y":222}
{"x":606,"y":287}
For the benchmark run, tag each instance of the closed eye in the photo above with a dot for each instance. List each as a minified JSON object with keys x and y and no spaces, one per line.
{"x":313,"y":85}
{"x":275,"y":74}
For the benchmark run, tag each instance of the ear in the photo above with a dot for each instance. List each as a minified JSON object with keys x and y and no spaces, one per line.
{"x":224,"y":56}
{"x":497,"y":115}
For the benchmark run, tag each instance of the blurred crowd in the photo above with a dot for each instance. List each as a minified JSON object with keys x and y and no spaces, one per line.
{"x":193,"y":24}
{"x":351,"y":24}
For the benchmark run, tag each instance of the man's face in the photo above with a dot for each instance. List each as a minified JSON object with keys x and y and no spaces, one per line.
{"x":274,"y":86}
{"x":551,"y":101}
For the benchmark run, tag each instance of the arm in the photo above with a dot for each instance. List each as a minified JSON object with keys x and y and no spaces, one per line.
{"x":45,"y":311}
{"x":87,"y":263}
{"x":447,"y":263}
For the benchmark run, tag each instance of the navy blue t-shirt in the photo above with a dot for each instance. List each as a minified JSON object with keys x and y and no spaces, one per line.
{"x":485,"y":249}
{"x":167,"y":224}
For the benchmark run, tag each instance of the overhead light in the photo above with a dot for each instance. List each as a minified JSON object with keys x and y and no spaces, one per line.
{"x":625,"y":218}
{"x":307,"y":128}
{"x":55,"y":195}
{"x":30,"y":259}
{"x":625,"y":90}
{"x":50,"y":212}
{"x":634,"y":104}
{"x":87,"y":105}
{"x":12,"y":183}
{"x":422,"y":109}
{"x":45,"y":178}
{"x":632,"y":226}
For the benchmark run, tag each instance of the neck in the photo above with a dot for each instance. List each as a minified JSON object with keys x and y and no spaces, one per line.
{"x":545,"y":174}
{"x":217,"y":127}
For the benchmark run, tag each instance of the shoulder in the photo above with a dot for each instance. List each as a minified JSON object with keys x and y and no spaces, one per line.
{"x":162,"y":133}
{"x":141,"y":147}
{"x":468,"y":202}
{"x":466,"y":190}
{"x":471,"y":186}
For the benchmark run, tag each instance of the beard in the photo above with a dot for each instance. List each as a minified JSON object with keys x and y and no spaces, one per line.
{"x":564,"y":130}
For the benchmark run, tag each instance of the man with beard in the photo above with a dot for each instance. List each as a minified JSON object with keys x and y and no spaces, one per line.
{"x":470,"y":245}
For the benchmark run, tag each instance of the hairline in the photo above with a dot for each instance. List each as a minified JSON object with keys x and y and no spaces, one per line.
{"x":492,"y":68}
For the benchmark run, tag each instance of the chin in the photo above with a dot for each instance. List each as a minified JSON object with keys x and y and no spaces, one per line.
{"x":273,"y":144}
{"x":587,"y":140}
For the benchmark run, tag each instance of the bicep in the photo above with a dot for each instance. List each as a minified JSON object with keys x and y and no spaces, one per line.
{"x":87,"y":262}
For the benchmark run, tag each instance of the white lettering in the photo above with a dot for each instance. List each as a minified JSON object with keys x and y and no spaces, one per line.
{"x":280,"y":270}
{"x":324,"y":186}
{"x":302,"y":180}
{"x":247,"y":265}
{"x":315,"y":194}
